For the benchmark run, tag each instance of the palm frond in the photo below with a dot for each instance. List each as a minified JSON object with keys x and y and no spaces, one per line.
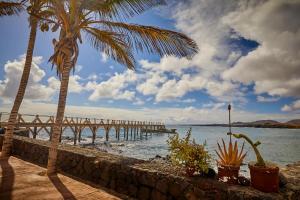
{"x":154,"y":40}
{"x":112,"y":44}
{"x":119,"y":9}
{"x":64,"y":48}
{"x":10,"y":8}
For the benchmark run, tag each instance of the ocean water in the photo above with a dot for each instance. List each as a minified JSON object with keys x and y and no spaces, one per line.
{"x":281,"y":146}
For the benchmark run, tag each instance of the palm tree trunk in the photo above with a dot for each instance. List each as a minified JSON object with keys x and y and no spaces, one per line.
{"x":51,"y":168}
{"x":8,"y":137}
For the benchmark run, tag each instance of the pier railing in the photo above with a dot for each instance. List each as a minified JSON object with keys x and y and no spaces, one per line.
{"x":37,"y":123}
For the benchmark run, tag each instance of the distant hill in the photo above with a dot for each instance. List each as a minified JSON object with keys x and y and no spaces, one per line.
{"x":294,"y":124}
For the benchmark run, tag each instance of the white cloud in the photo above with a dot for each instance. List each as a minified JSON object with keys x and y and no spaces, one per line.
{"x":74,"y":85}
{"x":201,"y":20}
{"x":151,"y":83}
{"x":295,"y":106}
{"x":214,"y":106}
{"x":188,"y":100}
{"x":138,"y":102}
{"x":267,"y":99}
{"x":113,"y":88}
{"x":35,"y":89}
{"x":78,"y":68}
{"x":92,"y":77}
{"x":183,"y":115}
{"x":274,"y":66}
{"x":104,"y":57}
{"x":167,"y":64}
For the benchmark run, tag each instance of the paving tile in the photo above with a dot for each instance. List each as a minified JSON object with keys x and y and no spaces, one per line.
{"x":21,"y":180}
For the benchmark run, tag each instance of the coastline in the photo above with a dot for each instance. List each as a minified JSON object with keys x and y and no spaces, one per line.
{"x":275,"y":126}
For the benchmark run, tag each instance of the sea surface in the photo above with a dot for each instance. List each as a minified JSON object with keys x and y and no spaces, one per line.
{"x":281,"y":146}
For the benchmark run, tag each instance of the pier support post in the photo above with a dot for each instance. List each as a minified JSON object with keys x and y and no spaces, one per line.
{"x":61,"y":132}
{"x":94,"y":134}
{"x":127,"y":131}
{"x":106,"y":133}
{"x":118,"y":133}
{"x":79,"y":134}
{"x":75,"y":135}
{"x":35,"y":132}
{"x":134,"y":131}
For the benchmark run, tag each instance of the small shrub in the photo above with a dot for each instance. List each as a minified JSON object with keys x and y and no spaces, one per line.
{"x":189,"y":154}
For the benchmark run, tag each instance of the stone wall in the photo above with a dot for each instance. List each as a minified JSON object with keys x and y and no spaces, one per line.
{"x":142,"y":179}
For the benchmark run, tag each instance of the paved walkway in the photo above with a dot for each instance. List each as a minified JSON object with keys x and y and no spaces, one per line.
{"x":22,"y":180}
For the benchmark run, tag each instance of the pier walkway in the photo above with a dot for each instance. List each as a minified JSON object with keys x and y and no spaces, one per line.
{"x":37,"y":123}
{"x":23,"y":180}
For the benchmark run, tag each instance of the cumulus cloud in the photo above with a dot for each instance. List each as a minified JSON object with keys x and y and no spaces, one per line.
{"x":221,"y":69}
{"x":74,"y":84}
{"x":267,"y":99}
{"x":273,"y":67}
{"x":176,"y":77}
{"x":113,"y":88}
{"x":190,"y":115}
{"x":104,"y":57}
{"x":35,"y":89}
{"x":295,"y":106}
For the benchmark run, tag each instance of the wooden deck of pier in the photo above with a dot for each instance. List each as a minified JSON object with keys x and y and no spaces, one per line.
{"x":38,"y":123}
{"x":22,"y":180}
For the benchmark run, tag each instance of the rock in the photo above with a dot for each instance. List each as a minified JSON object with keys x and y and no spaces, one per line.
{"x":175,"y":189}
{"x":106,"y":143}
{"x":282,"y":180}
{"x":147,"y":179}
{"x":243,"y":181}
{"x":144,"y":193}
{"x":132,"y":190}
{"x":210,"y":174}
{"x":156,"y":195}
{"x":162,"y":186}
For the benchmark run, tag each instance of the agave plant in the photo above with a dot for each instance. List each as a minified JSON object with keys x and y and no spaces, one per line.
{"x":231,"y":156}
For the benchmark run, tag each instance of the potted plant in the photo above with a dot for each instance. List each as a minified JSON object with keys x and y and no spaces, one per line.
{"x":192,"y":156}
{"x":264,"y":175}
{"x":229,"y":162}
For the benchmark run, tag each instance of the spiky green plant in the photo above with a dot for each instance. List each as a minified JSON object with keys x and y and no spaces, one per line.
{"x":231,"y":156}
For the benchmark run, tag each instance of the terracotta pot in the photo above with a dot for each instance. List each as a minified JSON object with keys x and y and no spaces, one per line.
{"x":265,"y":179}
{"x":228,"y":174}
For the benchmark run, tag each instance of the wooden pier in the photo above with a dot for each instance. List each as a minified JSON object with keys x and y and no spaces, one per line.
{"x":36,"y":123}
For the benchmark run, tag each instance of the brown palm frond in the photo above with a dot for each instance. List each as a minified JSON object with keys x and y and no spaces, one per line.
{"x":119,"y":9}
{"x":62,"y":49}
{"x":154,"y":40}
{"x":112,"y":44}
{"x":10,"y":8}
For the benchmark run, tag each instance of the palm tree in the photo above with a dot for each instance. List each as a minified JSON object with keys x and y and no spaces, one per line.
{"x":101,"y":21}
{"x":34,"y":9}
{"x":10,"y":8}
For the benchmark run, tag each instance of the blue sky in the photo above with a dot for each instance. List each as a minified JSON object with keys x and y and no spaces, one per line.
{"x":241,"y":61}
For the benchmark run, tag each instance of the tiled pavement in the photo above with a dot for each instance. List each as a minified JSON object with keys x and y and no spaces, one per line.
{"x":23,"y":180}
